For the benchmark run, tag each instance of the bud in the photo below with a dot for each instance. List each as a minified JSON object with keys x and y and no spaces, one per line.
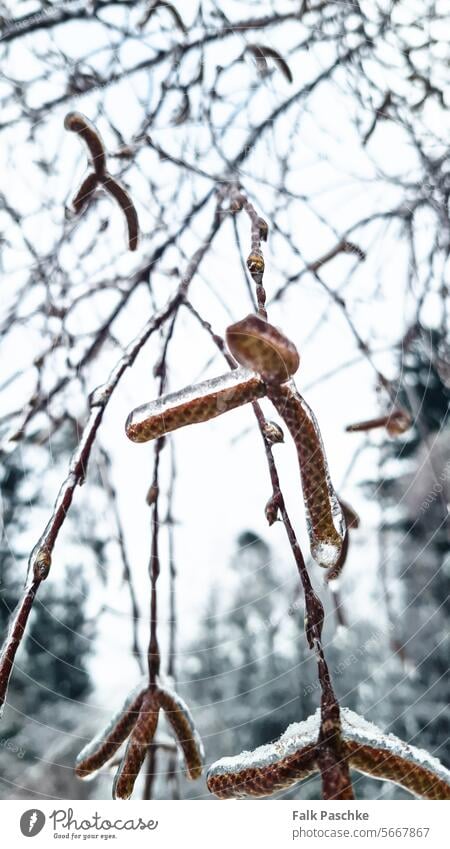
{"x":255,"y":263}
{"x":398,"y":422}
{"x":273,"y":432}
{"x":152,"y":495}
{"x":271,"y":510}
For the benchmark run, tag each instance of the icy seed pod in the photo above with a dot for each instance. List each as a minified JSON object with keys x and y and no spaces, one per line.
{"x":261,"y":53}
{"x":260,"y":346}
{"x":78,"y":123}
{"x":325,"y":521}
{"x":395,"y":423}
{"x":293,"y":757}
{"x":193,"y":404}
{"x":137,"y":747}
{"x":179,"y":718}
{"x":123,"y":198}
{"x":102,"y":748}
{"x":350,"y":516}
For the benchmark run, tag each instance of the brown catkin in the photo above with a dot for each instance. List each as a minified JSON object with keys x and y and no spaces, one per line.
{"x":85,"y":193}
{"x":140,"y":739}
{"x":269,"y":769}
{"x":176,"y":410}
{"x":262,"y":347}
{"x":78,"y":123}
{"x":106,"y":744}
{"x":181,"y":723}
{"x":127,"y":206}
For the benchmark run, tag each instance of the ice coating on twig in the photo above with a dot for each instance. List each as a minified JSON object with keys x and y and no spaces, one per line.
{"x":360,"y":730}
{"x":106,"y":743}
{"x":139,"y":740}
{"x":194,"y":404}
{"x":324,"y":552}
{"x":258,"y":345}
{"x":324,"y":517}
{"x":297,"y":736}
{"x":279,"y":765}
{"x":180,"y":719}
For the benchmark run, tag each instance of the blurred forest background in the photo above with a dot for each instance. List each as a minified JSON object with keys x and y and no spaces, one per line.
{"x":333,"y":118}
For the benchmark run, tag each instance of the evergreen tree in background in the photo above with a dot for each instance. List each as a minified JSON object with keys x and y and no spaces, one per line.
{"x":252,"y":673}
{"x":415,"y":495}
{"x":53,"y":660}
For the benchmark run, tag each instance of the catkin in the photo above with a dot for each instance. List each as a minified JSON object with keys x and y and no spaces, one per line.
{"x":138,"y":743}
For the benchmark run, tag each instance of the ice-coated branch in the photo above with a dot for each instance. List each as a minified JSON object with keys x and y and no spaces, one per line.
{"x":140,"y":739}
{"x":104,"y":746}
{"x":351,"y":521}
{"x":180,"y":720}
{"x":14,"y":638}
{"x":293,"y":757}
{"x":137,"y":722}
{"x":259,"y":233}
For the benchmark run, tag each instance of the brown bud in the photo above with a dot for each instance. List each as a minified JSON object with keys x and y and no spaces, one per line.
{"x":271,"y":510}
{"x":41,"y":564}
{"x":255,"y":263}
{"x":138,"y":743}
{"x":273,"y":432}
{"x":152,"y":495}
{"x":398,"y":422}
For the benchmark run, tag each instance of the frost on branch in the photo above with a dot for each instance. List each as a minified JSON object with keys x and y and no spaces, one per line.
{"x":193,"y":404}
{"x":293,"y":757}
{"x":136,"y":722}
{"x":180,"y":719}
{"x":102,"y":748}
